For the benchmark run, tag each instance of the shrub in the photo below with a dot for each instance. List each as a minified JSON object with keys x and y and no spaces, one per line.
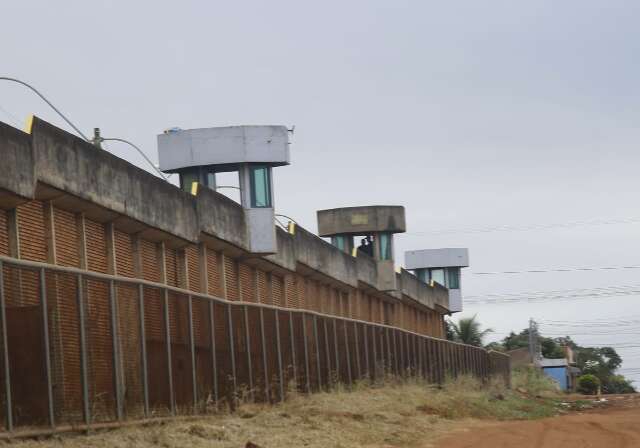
{"x":588,"y":384}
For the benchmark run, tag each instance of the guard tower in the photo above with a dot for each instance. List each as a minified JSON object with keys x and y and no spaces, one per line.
{"x":376,"y":224}
{"x":198,"y":154}
{"x":441,"y":266}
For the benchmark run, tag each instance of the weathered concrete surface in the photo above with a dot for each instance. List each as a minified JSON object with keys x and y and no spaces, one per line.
{"x":17,"y":166}
{"x":221,"y":217}
{"x":325,"y":258}
{"x":74,"y":166}
{"x":361,"y":220}
{"x":51,"y":162}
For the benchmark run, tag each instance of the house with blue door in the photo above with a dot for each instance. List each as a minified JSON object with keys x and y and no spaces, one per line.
{"x":561,"y":371}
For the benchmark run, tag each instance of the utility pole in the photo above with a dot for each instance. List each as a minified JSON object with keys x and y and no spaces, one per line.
{"x":533,"y":340}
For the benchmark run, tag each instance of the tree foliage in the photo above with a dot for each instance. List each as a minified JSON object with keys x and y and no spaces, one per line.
{"x":468,"y":331}
{"x":601,"y":362}
{"x":588,"y":384}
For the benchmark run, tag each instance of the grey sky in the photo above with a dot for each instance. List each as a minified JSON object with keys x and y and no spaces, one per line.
{"x":471,"y":114}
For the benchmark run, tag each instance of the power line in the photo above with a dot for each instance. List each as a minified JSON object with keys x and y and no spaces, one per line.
{"x":526,"y":227}
{"x":557,"y":295}
{"x":546,"y":270}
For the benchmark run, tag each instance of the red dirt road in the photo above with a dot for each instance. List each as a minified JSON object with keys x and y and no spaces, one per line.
{"x":617,"y":424}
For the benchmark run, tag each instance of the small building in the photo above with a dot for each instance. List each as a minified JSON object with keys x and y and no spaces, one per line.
{"x":560,"y":371}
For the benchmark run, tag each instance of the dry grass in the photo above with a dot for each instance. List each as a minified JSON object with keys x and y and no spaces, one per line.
{"x":385,"y":415}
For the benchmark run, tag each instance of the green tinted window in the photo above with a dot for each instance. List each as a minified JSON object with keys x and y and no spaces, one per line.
{"x":187,"y":178}
{"x":453,"y":278}
{"x":339,"y":242}
{"x":260,"y":187}
{"x":437,"y":275}
{"x":385,"y":246}
{"x":422,"y":275}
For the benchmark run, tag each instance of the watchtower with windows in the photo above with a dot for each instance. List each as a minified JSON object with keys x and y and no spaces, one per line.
{"x":376,"y":225}
{"x":198,"y":154}
{"x":442,"y":266}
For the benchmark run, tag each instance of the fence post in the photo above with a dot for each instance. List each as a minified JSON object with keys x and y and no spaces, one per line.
{"x":143,"y":352}
{"x":347,"y":351}
{"x":83,"y":350}
{"x":366,"y":349}
{"x":267,"y":383}
{"x":116,"y":349}
{"x":327,"y":354}
{"x":277,"y":318}
{"x":357,"y":344}
{"x":317,"y":341}
{"x":167,"y":334}
{"x":192,"y":345}
{"x":214,"y":361}
{"x":307,"y":373}
{"x":47,"y":350}
{"x":232,"y":354}
{"x":5,"y":353}
{"x":335,"y":346}
{"x":247,"y":340}
{"x":293,"y":348}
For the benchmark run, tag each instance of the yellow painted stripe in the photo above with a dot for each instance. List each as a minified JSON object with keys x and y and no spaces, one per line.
{"x":29,"y":124}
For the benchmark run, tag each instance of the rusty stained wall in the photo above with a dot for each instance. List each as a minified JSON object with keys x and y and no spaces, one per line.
{"x":182,"y":268}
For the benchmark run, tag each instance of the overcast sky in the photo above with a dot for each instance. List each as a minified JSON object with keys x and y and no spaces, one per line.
{"x":470,"y":114}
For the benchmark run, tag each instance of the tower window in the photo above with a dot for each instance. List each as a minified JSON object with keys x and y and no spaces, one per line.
{"x":260,"y":186}
{"x":385,"y":246}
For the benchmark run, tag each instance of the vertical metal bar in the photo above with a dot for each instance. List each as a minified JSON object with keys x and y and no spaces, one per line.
{"x":279,"y":355}
{"x":167,"y":335}
{"x":232,"y":351}
{"x":388,"y":360}
{"x":416,"y":355}
{"x":293,"y":348}
{"x":83,"y":349}
{"x":366,"y":348}
{"x":357,"y":344}
{"x":326,"y":352}
{"x":400,"y":346}
{"x":335,"y":347}
{"x":5,"y":354}
{"x":267,"y":384}
{"x":214,"y":361}
{"x":306,"y":352}
{"x":192,"y":344}
{"x":396,"y":360}
{"x":317,"y":341}
{"x":116,"y":349}
{"x":373,"y":352}
{"x":347,"y":350}
{"x":247,"y":339}
{"x":143,"y":352}
{"x":47,"y":350}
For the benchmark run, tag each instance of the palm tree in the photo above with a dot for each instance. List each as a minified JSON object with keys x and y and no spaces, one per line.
{"x":468,"y":331}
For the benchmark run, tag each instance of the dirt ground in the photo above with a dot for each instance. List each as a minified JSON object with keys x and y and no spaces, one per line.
{"x":611,"y":424}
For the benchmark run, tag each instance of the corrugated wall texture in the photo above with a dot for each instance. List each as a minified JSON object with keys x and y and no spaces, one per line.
{"x":213,"y":273}
{"x":150,"y":261}
{"x":171,"y":266}
{"x":231,"y":273}
{"x":4,"y":233}
{"x":291,"y":292}
{"x":96,"y":246}
{"x":193,"y":267}
{"x":124,"y":254}
{"x":248,"y":289}
{"x":277,"y":290}
{"x":66,"y":238}
{"x":32,"y":234}
{"x":263,"y":291}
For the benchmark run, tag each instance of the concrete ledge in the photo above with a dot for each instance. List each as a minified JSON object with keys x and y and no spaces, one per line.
{"x":74,"y":166}
{"x":321,"y":256}
{"x":361,"y":220}
{"x":221,"y":217}
{"x":17,"y":165}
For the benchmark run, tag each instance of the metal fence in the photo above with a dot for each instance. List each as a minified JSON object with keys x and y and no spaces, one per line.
{"x":81,"y":349}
